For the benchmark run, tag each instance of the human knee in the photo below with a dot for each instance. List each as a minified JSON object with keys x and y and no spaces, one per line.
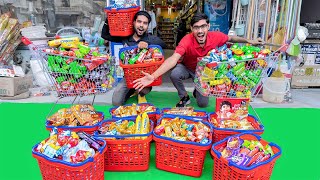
{"x":145,"y":91}
{"x":202,"y":104}
{"x":117,"y":101}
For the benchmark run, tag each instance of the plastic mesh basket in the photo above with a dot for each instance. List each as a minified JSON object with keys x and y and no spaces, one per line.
{"x":126,"y":155}
{"x":121,"y":20}
{"x":53,"y":169}
{"x":180,"y":157}
{"x":134,"y":71}
{"x":224,"y":170}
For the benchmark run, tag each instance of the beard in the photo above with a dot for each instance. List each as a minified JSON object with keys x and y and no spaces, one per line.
{"x":201,"y":38}
{"x":139,"y":33}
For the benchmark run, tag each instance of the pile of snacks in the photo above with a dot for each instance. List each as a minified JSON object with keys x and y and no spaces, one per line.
{"x":72,"y":47}
{"x":9,"y":36}
{"x":242,"y":124}
{"x":246,"y":153}
{"x":77,"y":115}
{"x":223,"y":70}
{"x":138,"y":56}
{"x":127,"y":127}
{"x":69,"y":146}
{"x":79,"y":68}
{"x":133,"y":110}
{"x":180,"y":129}
{"x":185,"y":111}
{"x":124,"y":4}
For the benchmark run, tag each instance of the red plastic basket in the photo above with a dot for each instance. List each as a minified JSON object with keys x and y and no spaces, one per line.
{"x":180,"y":157}
{"x":53,"y":169}
{"x":221,"y":133}
{"x":121,"y":20}
{"x":126,"y":155}
{"x":134,"y":71}
{"x":223,"y":170}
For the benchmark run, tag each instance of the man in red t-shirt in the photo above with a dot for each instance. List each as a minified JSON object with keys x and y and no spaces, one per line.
{"x":193,"y":45}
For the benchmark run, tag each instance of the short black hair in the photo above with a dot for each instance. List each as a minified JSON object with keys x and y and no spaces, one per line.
{"x":225,"y":103}
{"x":142,"y":13}
{"x":197,"y":17}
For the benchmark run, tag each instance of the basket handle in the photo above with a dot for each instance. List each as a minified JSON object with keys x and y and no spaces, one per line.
{"x":25,"y":41}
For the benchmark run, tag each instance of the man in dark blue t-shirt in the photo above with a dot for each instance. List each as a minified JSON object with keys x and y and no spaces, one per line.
{"x":141,"y":38}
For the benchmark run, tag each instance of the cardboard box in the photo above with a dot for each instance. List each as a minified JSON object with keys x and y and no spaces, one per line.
{"x":306,"y":76}
{"x":311,"y":53}
{"x":11,"y":86}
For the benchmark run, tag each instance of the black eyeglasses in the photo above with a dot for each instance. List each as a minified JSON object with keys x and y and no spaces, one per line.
{"x":203,"y":27}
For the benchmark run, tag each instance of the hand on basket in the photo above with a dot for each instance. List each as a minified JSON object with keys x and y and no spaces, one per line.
{"x":257,"y":41}
{"x":141,"y":83}
{"x":142,"y":45}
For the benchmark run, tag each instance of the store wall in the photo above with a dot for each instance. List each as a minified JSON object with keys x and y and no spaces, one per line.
{"x":164,"y":13}
{"x":310,"y":11}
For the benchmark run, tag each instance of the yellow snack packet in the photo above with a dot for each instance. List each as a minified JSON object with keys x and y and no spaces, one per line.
{"x":138,"y":126}
{"x":145,"y":125}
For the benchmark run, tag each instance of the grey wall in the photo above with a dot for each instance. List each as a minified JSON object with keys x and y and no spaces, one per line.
{"x":310,"y":11}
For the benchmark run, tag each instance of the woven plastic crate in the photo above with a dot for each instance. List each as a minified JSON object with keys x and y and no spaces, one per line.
{"x":121,"y":20}
{"x":134,"y":71}
{"x":224,"y":170}
{"x":221,"y":133}
{"x":180,"y":157}
{"x":152,"y":115}
{"x":53,"y":169}
{"x":126,"y":155}
{"x":201,"y":115}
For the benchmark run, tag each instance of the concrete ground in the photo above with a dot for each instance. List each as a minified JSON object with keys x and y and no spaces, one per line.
{"x":301,"y":98}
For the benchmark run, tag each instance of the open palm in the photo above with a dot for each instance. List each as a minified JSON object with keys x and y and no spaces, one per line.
{"x":141,"y":83}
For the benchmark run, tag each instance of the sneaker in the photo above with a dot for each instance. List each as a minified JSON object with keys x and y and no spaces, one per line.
{"x":194,"y":93}
{"x":183,"y":102}
{"x":141,"y":99}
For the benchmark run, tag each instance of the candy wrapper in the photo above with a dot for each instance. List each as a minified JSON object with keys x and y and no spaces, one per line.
{"x":231,"y":71}
{"x":246,"y":153}
{"x":137,"y":56}
{"x":77,"y":115}
{"x":68,"y":146}
{"x":133,"y":110}
{"x":182,"y":130}
{"x":141,"y":125}
{"x":12,"y":23}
